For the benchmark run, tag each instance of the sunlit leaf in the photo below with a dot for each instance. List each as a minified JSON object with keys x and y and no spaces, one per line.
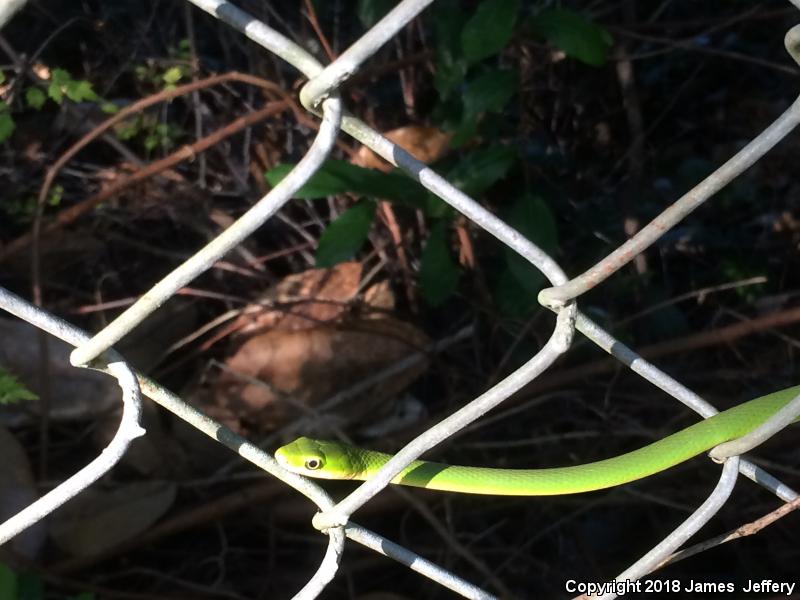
{"x":78,"y":91}
{"x":172,"y":75}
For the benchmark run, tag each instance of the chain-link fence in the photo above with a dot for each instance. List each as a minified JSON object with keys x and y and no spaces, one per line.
{"x":320,"y":97}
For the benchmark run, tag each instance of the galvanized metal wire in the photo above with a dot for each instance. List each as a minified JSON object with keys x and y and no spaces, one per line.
{"x":320,"y":96}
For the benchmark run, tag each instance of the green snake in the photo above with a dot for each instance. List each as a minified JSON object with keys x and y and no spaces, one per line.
{"x":336,"y":460}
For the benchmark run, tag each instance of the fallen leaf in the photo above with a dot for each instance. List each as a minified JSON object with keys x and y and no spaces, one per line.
{"x":305,"y":300}
{"x":380,"y":299}
{"x":280,"y":374}
{"x":426,"y":144}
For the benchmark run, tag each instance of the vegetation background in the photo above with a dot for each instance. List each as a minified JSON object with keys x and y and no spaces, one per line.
{"x":577,"y":122}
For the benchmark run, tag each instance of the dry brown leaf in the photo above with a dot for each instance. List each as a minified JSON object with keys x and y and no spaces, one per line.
{"x":308,"y":348}
{"x":41,"y":70}
{"x":426,"y":144}
{"x":380,"y":298}
{"x":306,"y":300}
{"x":297,"y":369}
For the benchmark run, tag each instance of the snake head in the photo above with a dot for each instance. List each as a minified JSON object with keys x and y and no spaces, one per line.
{"x":318,"y":458}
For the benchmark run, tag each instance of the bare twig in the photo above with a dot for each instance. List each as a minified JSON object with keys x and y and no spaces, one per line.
{"x":742,"y":531}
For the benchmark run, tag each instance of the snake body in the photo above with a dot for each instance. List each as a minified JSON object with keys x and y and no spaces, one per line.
{"x":337,"y":460}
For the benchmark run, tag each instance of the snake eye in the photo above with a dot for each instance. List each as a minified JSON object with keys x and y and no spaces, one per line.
{"x":312,"y":464}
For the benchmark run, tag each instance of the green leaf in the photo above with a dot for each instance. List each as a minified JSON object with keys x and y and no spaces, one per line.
{"x":325,"y":182}
{"x":56,"y":195}
{"x":151,"y":142}
{"x":109,"y":108}
{"x":128,"y":129}
{"x":532,"y":218}
{"x":12,"y":390}
{"x":527,"y":275}
{"x":172,"y":75}
{"x":477,"y":171}
{"x":451,"y":68}
{"x":54,"y":91}
{"x":345,"y":235}
{"x":436,"y":208}
{"x":183,"y":50}
{"x":577,"y":37}
{"x":339,"y":177}
{"x":7,"y":125}
{"x":473,"y":175}
{"x":438,"y":273}
{"x":2,"y":77}
{"x":449,"y":75}
{"x":467,"y":129}
{"x":8,"y":582}
{"x":489,"y":92}
{"x":30,"y":587}
{"x":61,"y":77}
{"x":78,"y":91}
{"x":35,"y":97}
{"x":371,"y":11}
{"x":512,"y":299}
{"x":489,"y":29}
